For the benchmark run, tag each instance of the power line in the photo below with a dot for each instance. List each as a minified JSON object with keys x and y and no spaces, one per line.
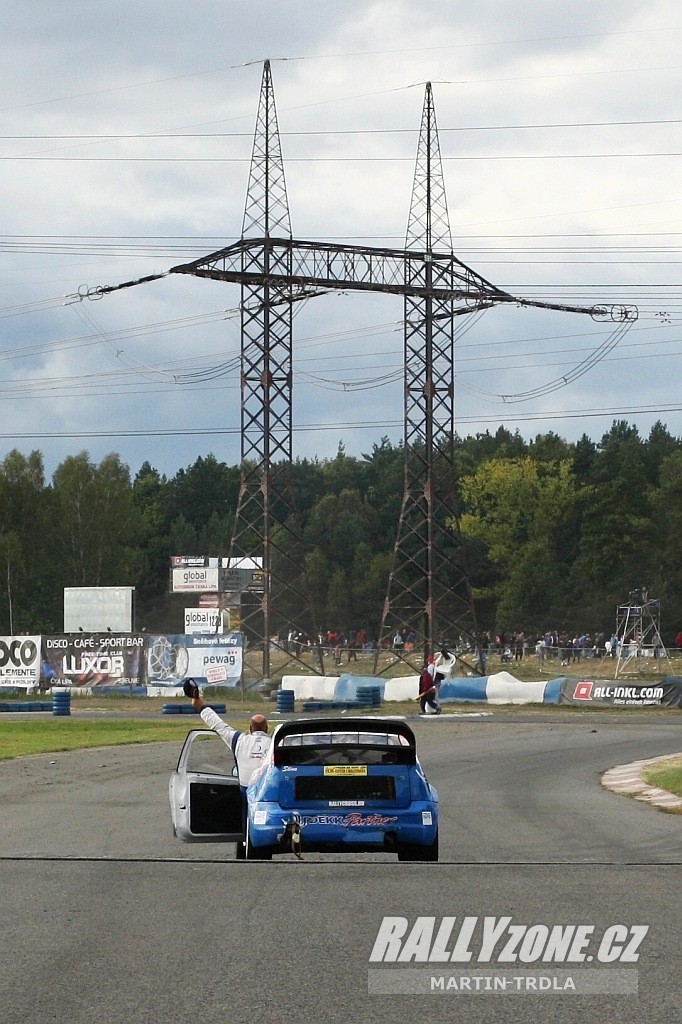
{"x":510,"y":417}
{"x":336,"y":56}
{"x":326,"y":133}
{"x":335,"y":159}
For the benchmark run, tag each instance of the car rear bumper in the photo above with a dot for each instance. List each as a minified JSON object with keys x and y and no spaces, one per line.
{"x":345,"y":829}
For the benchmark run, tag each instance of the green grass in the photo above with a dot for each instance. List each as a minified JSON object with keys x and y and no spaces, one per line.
{"x":18,"y":739}
{"x":666,"y":775}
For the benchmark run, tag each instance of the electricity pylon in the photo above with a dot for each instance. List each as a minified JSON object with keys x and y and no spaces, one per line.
{"x":428,"y":589}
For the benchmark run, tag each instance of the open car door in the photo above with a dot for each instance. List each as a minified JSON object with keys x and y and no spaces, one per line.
{"x":205,"y":800}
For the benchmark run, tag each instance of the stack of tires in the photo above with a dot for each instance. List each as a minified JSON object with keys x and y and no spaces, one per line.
{"x":285,"y":701}
{"x":369,"y":696}
{"x":61,"y":703}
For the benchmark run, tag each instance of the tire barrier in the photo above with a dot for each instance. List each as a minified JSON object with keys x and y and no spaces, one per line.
{"x":187,"y":709}
{"x":61,"y":703}
{"x":25,"y":705}
{"x":332,"y":705}
{"x":285,"y":700}
{"x":369,"y":696}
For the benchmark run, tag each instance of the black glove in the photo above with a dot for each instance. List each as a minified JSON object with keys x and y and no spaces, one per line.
{"x":190,"y":689}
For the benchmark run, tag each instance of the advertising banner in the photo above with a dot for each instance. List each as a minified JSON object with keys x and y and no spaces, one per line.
{"x":210,"y":660}
{"x":235,"y":581}
{"x":191,"y":561}
{"x":605,"y":693}
{"x":20,"y":661}
{"x":195,"y":580}
{"x":203,"y":620}
{"x":93,"y":659}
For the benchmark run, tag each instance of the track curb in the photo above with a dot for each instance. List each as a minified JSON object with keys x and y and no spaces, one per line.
{"x":627,"y":780}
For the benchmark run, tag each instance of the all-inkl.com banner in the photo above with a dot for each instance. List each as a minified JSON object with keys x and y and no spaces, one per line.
{"x":210,"y":659}
{"x":19,"y":661}
{"x":94,"y":659}
{"x":604,"y":693}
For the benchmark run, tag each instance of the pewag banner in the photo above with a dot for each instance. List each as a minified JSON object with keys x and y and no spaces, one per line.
{"x":210,"y":659}
{"x":603,"y":693}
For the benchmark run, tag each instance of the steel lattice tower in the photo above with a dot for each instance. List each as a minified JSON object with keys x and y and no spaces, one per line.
{"x":428,"y":589}
{"x":266,"y":488}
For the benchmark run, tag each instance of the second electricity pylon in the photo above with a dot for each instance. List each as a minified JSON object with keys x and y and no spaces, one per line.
{"x":429,"y":589}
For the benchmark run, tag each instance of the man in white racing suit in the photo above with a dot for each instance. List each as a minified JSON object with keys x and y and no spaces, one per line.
{"x":249,"y":748}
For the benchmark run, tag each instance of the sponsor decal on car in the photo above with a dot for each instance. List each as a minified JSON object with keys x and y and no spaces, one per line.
{"x":345,"y":769}
{"x":347,"y":820}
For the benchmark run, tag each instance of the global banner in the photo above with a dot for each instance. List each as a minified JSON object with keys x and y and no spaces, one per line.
{"x":212,"y":660}
{"x":20,"y":661}
{"x":601,"y":693}
{"x":93,"y":659}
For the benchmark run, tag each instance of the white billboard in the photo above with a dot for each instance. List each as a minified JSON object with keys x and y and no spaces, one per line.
{"x":98,"y":609}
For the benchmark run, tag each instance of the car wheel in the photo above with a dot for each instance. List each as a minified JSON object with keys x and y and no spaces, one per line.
{"x":252,"y":852}
{"x":240,"y":853}
{"x":423,"y":853}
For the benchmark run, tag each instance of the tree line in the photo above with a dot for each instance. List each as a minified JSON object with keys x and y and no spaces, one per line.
{"x":556,"y":534}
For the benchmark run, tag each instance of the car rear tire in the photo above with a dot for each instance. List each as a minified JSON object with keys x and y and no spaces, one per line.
{"x":252,"y":852}
{"x":423,"y":853}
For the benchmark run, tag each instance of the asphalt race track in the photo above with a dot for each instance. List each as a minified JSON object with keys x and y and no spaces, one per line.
{"x":107,"y":918}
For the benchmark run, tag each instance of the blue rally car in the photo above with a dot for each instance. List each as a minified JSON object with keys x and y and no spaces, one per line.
{"x":339,"y":785}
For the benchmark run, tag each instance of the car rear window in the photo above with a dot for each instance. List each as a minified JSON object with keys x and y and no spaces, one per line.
{"x":344,"y":748}
{"x":314,"y":739}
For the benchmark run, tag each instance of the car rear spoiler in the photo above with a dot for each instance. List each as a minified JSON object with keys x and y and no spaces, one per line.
{"x":381,"y":726}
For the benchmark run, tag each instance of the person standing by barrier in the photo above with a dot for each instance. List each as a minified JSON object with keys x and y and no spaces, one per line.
{"x":428,"y":689}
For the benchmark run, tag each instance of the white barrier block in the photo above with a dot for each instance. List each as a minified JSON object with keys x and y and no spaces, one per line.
{"x":165,"y":691}
{"x":404,"y":688}
{"x":311,"y":687}
{"x":504,"y":688}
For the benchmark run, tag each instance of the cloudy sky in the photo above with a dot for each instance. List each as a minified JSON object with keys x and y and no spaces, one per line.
{"x":126,"y":139}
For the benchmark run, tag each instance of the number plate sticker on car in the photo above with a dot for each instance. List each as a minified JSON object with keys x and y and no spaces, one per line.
{"x":345,"y":769}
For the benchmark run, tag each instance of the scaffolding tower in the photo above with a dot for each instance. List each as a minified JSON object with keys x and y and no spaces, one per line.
{"x":638,"y":628}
